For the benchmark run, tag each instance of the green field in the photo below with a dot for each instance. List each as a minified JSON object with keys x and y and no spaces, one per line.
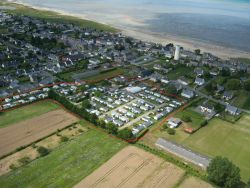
{"x":242,"y":100}
{"x":181,"y":71}
{"x":26,"y":112}
{"x":195,"y":117}
{"x":56,"y":17}
{"x":105,"y":75}
{"x":66,"y":165}
{"x":218,"y":138}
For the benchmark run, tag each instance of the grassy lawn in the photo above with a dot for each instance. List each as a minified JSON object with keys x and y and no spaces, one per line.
{"x":242,"y":100}
{"x":26,"y":112}
{"x":195,"y":116}
{"x":56,"y":17}
{"x":105,"y":75}
{"x":225,"y":139}
{"x":180,"y":71}
{"x":218,"y":138}
{"x":66,"y":165}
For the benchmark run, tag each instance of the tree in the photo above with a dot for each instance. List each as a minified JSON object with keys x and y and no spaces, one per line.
{"x":197,"y":51}
{"x":125,"y":134}
{"x":225,"y":72}
{"x":86,"y":104}
{"x":247,"y":85}
{"x":224,"y":173}
{"x":233,"y":84}
{"x":112,"y":129}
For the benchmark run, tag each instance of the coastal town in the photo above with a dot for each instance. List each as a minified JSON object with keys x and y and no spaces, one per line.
{"x":129,"y":88}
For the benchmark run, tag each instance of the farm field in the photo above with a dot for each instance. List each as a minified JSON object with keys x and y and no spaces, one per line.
{"x":133,"y":167}
{"x":218,"y":138}
{"x":194,"y":183}
{"x":26,"y":112}
{"x":30,"y":153}
{"x":67,"y":164}
{"x":28,"y":131}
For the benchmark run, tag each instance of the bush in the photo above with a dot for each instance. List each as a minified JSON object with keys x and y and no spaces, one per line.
{"x":171,"y":131}
{"x":13,"y":167}
{"x":203,"y":123}
{"x":24,"y":160}
{"x":20,"y":148}
{"x":34,"y":146}
{"x":64,"y":139}
{"x":80,"y":131}
{"x":43,"y":151}
{"x":186,"y":118}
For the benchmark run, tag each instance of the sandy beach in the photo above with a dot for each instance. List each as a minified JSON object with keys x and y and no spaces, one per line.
{"x":220,"y":51}
{"x":132,"y":30}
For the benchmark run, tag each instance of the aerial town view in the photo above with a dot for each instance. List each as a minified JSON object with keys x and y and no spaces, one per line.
{"x":128,"y":94}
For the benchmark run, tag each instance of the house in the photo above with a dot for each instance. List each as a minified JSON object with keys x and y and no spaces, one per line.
{"x":206,"y":108}
{"x":183,"y":81}
{"x":137,"y":129}
{"x":199,"y":81}
{"x":118,"y":122}
{"x":174,"y":122}
{"x":198,"y":71}
{"x":187,"y":93}
{"x":227,"y":95}
{"x":232,"y":110}
{"x":220,"y":88}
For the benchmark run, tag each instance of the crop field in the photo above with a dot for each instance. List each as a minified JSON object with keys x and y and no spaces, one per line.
{"x":133,"y":167}
{"x":26,"y":112}
{"x":30,"y":153}
{"x":67,"y":164}
{"x":194,"y":183}
{"x":30,"y":130}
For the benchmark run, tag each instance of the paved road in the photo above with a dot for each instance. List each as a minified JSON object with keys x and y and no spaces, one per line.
{"x":198,"y":92}
{"x":184,"y":153}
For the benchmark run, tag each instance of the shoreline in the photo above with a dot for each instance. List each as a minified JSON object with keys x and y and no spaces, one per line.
{"x":148,"y":36}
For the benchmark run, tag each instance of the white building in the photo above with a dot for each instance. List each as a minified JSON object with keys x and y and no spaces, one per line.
{"x":177,"y":53}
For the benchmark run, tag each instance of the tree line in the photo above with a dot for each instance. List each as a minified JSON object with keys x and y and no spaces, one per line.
{"x":125,"y":134}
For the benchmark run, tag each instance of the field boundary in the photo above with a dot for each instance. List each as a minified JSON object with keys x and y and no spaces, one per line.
{"x":83,"y":82}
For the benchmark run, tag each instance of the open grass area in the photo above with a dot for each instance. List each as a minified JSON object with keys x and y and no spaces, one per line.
{"x":195,"y":117}
{"x":218,"y":138}
{"x":105,"y":75}
{"x":68,"y":164}
{"x":56,"y":17}
{"x":26,"y":112}
{"x":242,"y":100}
{"x":224,"y":139}
{"x":181,"y":71}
